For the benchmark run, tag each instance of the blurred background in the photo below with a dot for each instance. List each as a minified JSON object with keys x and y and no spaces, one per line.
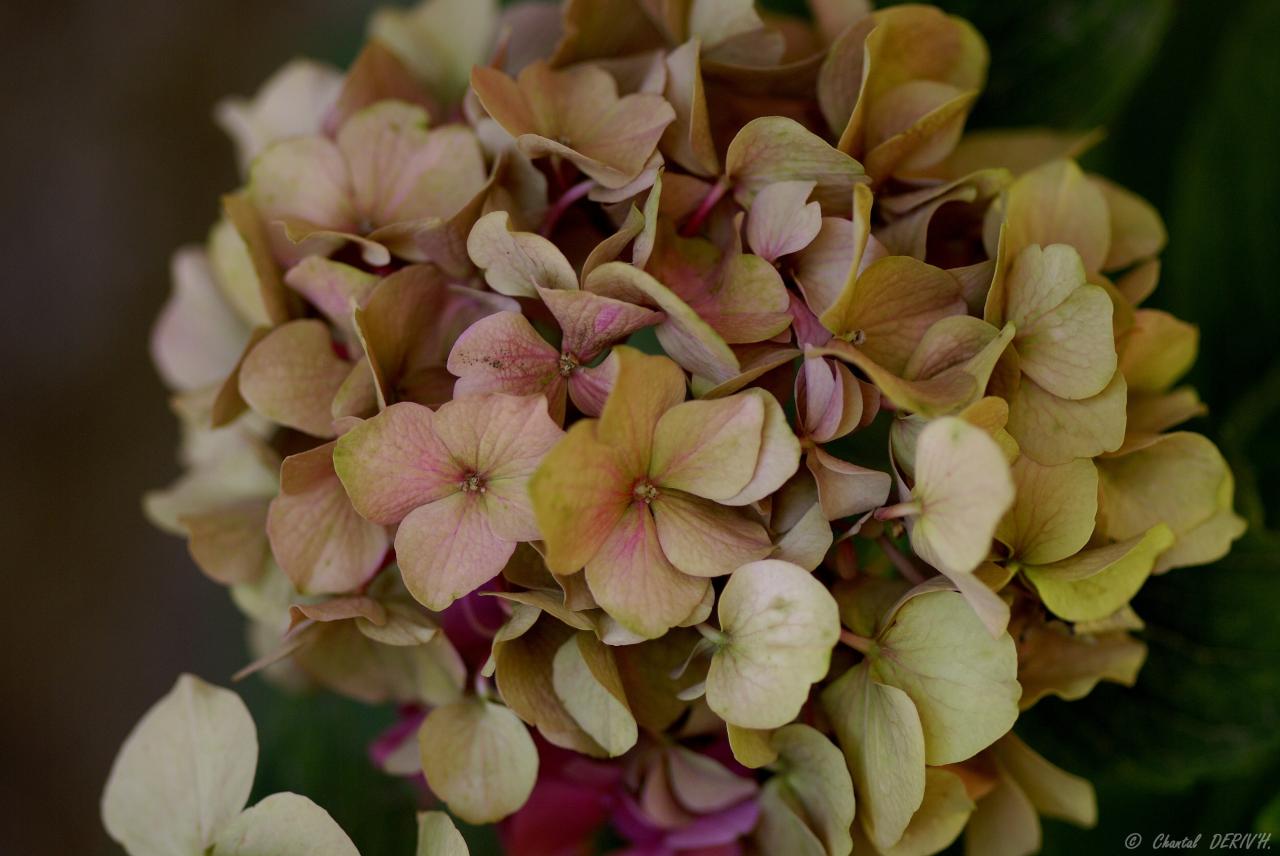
{"x":110,"y":161}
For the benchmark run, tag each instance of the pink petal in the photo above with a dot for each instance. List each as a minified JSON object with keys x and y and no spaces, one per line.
{"x":590,"y":387}
{"x":503,"y":353}
{"x":303,"y":179}
{"x":393,"y":463}
{"x":402,"y":171}
{"x":723,"y":827}
{"x":446,"y":549}
{"x":497,"y":436}
{"x":591,"y":323}
{"x":845,"y":489}
{"x":198,"y":338}
{"x":320,"y":541}
{"x":334,"y":288}
{"x":292,"y":376}
{"x":634,"y":582}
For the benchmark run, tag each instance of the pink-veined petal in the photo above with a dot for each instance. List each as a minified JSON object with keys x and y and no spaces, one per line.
{"x":394,"y":462}
{"x":632,"y":579}
{"x":447,"y":549}
{"x":704,"y":539}
{"x":497,"y":436}
{"x":320,"y":541}
{"x":592,"y":323}
{"x":503,"y":353}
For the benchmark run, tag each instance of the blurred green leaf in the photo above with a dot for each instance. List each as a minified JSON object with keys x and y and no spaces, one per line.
{"x":1062,"y":63}
{"x":1269,"y":818}
{"x":1223,"y":257}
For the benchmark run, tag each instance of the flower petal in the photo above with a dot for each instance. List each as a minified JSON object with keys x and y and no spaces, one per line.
{"x":780,"y":625}
{"x":394,"y":462}
{"x":497,"y":436}
{"x":708,"y":448}
{"x":591,"y":323}
{"x":503,"y":353}
{"x":1054,"y":510}
{"x":845,"y":489}
{"x":579,"y":492}
{"x":198,"y":338}
{"x":964,"y":488}
{"x":303,"y":179}
{"x":704,"y":539}
{"x":402,"y":171}
{"x":775,"y":148}
{"x":317,"y":537}
{"x":779,"y":453}
{"x":284,"y":824}
{"x":632,"y":579}
{"x":1055,"y":430}
{"x":891,"y":305}
{"x":183,"y":773}
{"x":780,"y":222}
{"x":447,"y":549}
{"x":292,"y":376}
{"x":517,"y":263}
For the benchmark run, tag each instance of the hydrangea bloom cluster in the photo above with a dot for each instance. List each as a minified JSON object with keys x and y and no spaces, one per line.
{"x":691,"y":428}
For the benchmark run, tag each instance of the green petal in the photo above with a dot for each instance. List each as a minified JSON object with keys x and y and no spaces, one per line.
{"x":183,"y":773}
{"x":479,"y":758}
{"x":437,"y":836}
{"x":883,"y":742}
{"x":963,"y":487}
{"x":780,"y":625}
{"x":587,"y":683}
{"x":284,"y":825}
{"x":962,"y":680}
{"x":1053,"y":512}
{"x":812,"y":773}
{"x":1095,"y":583}
{"x":774,"y":148}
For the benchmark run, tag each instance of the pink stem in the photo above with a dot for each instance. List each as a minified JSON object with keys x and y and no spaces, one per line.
{"x":561,"y":205}
{"x":902,"y":509}
{"x":714,"y":195}
{"x":854,"y":641}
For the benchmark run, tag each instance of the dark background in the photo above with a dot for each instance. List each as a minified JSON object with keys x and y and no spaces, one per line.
{"x":109,"y":160}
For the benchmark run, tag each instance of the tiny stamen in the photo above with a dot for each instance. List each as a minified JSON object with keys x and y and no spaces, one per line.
{"x":645,"y":492}
{"x":568,"y":364}
{"x":473,"y":483}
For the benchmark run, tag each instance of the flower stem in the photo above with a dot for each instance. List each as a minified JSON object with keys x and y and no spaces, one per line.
{"x":695,"y":221}
{"x":858,"y":643}
{"x":561,"y":205}
{"x":903,"y":563}
{"x":902,"y":509}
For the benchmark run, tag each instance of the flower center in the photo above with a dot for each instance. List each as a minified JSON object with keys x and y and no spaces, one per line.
{"x":568,"y":364}
{"x":645,"y":492}
{"x":473,"y":483}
